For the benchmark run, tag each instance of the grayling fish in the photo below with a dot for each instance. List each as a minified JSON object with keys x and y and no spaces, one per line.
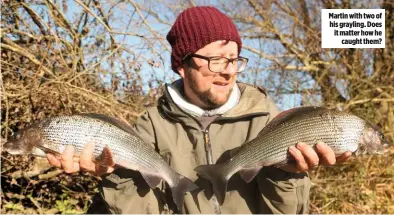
{"x":115,"y":144}
{"x":339,"y":130}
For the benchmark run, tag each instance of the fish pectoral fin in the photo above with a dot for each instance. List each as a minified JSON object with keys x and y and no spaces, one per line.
{"x":42,"y":151}
{"x":106,"y":158}
{"x":247,"y":174}
{"x":284,"y":163}
{"x":218,"y":175}
{"x":152,"y":180}
{"x":38,"y":152}
{"x":179,"y":189}
{"x":49,"y":151}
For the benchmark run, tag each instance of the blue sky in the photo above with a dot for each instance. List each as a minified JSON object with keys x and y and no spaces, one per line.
{"x":165,"y":73}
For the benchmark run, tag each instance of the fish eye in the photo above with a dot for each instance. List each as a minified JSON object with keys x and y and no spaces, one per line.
{"x":17,"y":136}
{"x":381,"y":136}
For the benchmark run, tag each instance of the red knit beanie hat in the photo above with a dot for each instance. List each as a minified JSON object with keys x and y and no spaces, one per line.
{"x":195,"y":28}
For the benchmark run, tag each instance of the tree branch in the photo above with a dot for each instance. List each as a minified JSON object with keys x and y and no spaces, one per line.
{"x":8,"y":44}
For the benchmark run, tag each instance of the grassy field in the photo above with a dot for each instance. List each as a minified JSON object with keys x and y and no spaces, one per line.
{"x":49,"y":192}
{"x":361,"y":185}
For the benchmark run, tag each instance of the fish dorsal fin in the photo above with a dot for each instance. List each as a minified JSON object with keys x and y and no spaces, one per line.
{"x":288,"y":115}
{"x":152,"y":180}
{"x":106,"y":158}
{"x":248,"y":174}
{"x":112,"y":120}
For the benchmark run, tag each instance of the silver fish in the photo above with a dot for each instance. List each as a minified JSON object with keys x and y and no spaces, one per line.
{"x":116,"y":143}
{"x":339,"y":130}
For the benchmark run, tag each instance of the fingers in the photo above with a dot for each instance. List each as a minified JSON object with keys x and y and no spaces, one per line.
{"x":54,"y":161}
{"x":344,"y":157}
{"x":67,"y":161}
{"x":87,"y":164}
{"x":86,"y":159}
{"x":101,"y":170}
{"x":71,"y":164}
{"x":310,"y":155}
{"x":290,"y":168}
{"x":299,"y":158}
{"x":307,"y":158}
{"x":327,"y":154}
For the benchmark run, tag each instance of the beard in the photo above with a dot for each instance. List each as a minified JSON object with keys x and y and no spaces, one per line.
{"x":206,"y":96}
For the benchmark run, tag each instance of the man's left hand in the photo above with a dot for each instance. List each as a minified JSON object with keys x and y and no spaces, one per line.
{"x":307,"y":158}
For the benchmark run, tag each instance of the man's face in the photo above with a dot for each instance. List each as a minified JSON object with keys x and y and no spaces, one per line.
{"x":204,"y":88}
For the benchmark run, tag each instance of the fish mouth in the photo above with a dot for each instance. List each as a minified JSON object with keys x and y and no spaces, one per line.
{"x":13,"y":151}
{"x":386,"y":148}
{"x":10,"y":148}
{"x":378,"y":150}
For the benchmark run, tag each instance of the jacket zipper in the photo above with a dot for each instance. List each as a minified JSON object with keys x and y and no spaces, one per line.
{"x":208,"y":152}
{"x":208,"y":147}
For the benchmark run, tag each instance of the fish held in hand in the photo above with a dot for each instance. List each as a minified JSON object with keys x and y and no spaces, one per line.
{"x":116,"y":143}
{"x":340,"y":130}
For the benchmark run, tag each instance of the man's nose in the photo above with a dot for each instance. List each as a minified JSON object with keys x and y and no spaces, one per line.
{"x":231,"y":69}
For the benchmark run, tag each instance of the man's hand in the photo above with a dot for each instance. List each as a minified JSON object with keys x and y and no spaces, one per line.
{"x":69,"y":164}
{"x":307,"y":159}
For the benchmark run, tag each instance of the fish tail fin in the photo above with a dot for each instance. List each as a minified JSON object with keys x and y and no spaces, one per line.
{"x":216,"y":175}
{"x":180,"y":188}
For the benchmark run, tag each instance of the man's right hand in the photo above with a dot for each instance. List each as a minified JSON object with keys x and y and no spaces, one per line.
{"x":69,"y":164}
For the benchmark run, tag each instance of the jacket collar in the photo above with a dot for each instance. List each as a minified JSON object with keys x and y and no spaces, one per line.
{"x":178,"y":98}
{"x":252,"y":102}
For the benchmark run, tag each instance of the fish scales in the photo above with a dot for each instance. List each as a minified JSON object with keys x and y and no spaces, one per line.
{"x":311,"y":125}
{"x":125,"y":147}
{"x":79,"y":130}
{"x":272,"y":146}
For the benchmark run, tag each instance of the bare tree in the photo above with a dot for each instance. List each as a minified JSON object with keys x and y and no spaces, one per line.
{"x":67,"y":57}
{"x":289,"y":58}
{"x":73,"y":56}
{"x":284,"y":38}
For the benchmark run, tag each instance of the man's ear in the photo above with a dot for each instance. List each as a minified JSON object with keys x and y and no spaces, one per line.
{"x":181,"y":72}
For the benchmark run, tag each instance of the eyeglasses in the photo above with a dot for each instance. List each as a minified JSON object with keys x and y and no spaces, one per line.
{"x":220,"y":64}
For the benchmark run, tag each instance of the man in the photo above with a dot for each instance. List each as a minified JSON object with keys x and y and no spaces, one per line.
{"x":199,"y":120}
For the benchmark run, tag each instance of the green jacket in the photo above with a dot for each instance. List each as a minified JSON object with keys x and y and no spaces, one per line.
{"x":185,"y":144}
